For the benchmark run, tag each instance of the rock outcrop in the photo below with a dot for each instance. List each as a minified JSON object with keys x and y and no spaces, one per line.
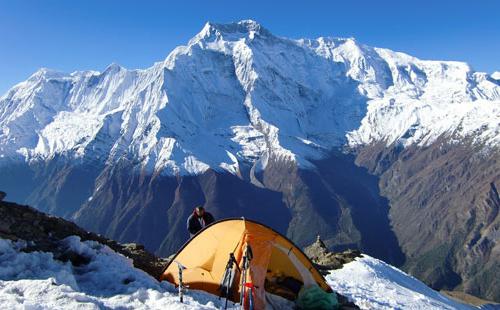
{"x":44,"y":233}
{"x":325,"y":260}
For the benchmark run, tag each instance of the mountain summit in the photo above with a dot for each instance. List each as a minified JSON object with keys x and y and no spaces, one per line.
{"x":236,"y":94}
{"x":370,"y":148}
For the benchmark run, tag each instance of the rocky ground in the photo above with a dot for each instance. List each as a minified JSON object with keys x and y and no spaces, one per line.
{"x":470,"y":299}
{"x":326,"y":260}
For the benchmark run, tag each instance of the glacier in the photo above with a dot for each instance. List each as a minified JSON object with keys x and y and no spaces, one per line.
{"x":238,"y":95}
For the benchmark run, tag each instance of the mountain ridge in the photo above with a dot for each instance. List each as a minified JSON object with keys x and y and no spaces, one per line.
{"x":377,"y":87}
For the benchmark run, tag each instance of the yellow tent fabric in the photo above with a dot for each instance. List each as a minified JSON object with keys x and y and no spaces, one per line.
{"x":205,"y":257}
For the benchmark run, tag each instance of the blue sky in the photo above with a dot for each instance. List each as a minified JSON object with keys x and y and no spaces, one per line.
{"x":79,"y":35}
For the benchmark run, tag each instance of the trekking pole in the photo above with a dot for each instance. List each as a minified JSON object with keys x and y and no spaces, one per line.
{"x":250,"y":296}
{"x":225,"y":286}
{"x":246,"y":265}
{"x":181,"y":284}
{"x":243,"y":280}
{"x":231,"y":261}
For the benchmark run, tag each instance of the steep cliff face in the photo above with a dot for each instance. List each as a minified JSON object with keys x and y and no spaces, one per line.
{"x":154,"y":209}
{"x":250,"y":124}
{"x":444,"y":211}
{"x":339,"y":200}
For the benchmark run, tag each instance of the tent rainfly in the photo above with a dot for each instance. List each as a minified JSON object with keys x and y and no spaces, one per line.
{"x":278,"y":271}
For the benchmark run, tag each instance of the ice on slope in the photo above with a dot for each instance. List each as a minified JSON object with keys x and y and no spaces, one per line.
{"x":36,"y":280}
{"x":373,"y":284}
{"x":238,"y":94}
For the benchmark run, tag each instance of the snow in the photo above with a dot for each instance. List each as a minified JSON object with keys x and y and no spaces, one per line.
{"x":236,"y":94}
{"x":373,"y":284}
{"x":38,"y":281}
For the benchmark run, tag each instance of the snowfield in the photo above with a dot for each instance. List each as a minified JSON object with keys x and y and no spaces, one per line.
{"x":37,"y":281}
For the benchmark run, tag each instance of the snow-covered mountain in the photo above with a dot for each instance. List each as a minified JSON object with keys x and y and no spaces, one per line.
{"x":110,"y":281}
{"x":370,"y":148}
{"x":237,"y":93}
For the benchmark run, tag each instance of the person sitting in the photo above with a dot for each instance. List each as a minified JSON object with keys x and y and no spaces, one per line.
{"x":198,"y":220}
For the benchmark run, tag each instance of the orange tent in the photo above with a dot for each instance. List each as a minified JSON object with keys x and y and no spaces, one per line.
{"x":278,"y":266}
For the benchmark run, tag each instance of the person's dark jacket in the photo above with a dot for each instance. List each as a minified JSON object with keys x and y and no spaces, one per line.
{"x":193,"y":224}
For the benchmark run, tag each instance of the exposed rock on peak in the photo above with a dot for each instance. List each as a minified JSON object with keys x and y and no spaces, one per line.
{"x":242,"y":28}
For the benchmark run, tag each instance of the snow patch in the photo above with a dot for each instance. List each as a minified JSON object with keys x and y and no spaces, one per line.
{"x":36,"y":280}
{"x":373,"y":284}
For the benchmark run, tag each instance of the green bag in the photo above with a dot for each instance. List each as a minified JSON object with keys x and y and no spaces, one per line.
{"x":313,"y":297}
